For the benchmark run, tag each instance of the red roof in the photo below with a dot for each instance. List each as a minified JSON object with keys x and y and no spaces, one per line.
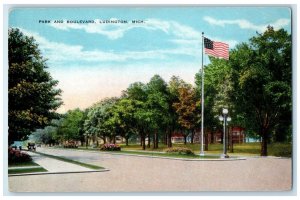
{"x":237,"y":128}
{"x":177,"y":135}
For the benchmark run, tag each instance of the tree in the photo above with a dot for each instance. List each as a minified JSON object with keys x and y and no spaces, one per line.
{"x":97,"y":124}
{"x":218,"y":94}
{"x":173,"y":89}
{"x":49,"y":135}
{"x":33,"y":97}
{"x":262,"y":71}
{"x":72,"y":124}
{"x":186,"y":109}
{"x":157,"y":104}
{"x":123,"y":117}
{"x":137,"y":93}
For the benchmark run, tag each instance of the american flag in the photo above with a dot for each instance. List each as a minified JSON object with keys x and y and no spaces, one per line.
{"x":216,"y":49}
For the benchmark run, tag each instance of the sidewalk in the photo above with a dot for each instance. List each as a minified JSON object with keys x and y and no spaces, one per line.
{"x":53,"y":165}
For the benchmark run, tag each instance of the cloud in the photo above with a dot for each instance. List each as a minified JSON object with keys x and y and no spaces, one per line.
{"x":68,"y":53}
{"x":112,"y":31}
{"x":117,"y":30}
{"x":245,"y":24}
{"x":95,"y":76}
{"x":97,"y":80}
{"x":185,"y":37}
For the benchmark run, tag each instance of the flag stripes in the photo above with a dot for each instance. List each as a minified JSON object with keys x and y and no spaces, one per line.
{"x":216,"y":49}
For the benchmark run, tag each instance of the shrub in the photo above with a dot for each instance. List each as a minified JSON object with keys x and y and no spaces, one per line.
{"x":285,"y":152}
{"x":110,"y":147}
{"x":16,"y":156}
{"x":180,"y":150}
{"x":70,"y":144}
{"x":280,"y":149}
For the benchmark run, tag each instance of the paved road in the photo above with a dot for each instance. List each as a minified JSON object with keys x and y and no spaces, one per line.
{"x":141,"y":174}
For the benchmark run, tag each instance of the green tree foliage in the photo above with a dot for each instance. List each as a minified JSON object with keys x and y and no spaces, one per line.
{"x":50,"y":135}
{"x":97,"y":123}
{"x":158,"y":107}
{"x":33,"y":97}
{"x":136,"y":91}
{"x":71,"y":125}
{"x":173,"y":90}
{"x":143,"y":116}
{"x":262,"y":74}
{"x":123,"y":117}
{"x":218,"y":94}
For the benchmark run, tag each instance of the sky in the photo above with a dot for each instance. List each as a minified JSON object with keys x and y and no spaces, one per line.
{"x":96,"y":60}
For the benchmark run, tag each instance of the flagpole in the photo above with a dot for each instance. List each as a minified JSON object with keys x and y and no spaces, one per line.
{"x":202,"y":101}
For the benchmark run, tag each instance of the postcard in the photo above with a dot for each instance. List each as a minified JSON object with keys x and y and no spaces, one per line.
{"x":150,"y":99}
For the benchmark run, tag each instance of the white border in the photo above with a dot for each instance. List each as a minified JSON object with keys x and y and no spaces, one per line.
{"x":64,"y":3}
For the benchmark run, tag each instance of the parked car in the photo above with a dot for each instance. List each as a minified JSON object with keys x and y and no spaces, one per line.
{"x":31,"y":146}
{"x":17,"y":145}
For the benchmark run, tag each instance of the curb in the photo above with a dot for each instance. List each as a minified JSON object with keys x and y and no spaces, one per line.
{"x":183,"y":159}
{"x":162,"y":157}
{"x":24,"y":167}
{"x":46,"y":173}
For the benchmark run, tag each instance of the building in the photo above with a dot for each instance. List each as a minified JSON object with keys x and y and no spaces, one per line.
{"x":177,"y":137}
{"x":236,"y":134}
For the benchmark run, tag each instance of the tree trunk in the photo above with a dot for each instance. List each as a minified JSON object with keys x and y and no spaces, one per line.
{"x":222,"y":136}
{"x":212,"y":137}
{"x":86,"y":142}
{"x":205,"y":141}
{"x":93,"y":139}
{"x":126,"y":139}
{"x":185,"y":139}
{"x":155,"y":140}
{"x":82,"y":141}
{"x":10,"y":137}
{"x":165,"y":138}
{"x":149,"y":141}
{"x":227,"y":138}
{"x":231,"y":140}
{"x":192,"y":137}
{"x":170,"y":139}
{"x":114,"y":139}
{"x":143,"y":142}
{"x":264,"y":145}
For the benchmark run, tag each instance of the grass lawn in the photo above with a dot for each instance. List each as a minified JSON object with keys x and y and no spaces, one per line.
{"x":26,"y":170}
{"x":172,"y":155}
{"x":139,"y":151}
{"x":135,"y":151}
{"x":25,"y":167}
{"x":72,"y":161}
{"x":24,"y":164}
{"x":245,"y":149}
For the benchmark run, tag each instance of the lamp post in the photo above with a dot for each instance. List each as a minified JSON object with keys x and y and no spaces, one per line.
{"x":225,"y":118}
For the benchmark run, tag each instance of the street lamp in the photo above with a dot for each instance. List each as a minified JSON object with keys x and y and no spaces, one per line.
{"x":225,"y":118}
